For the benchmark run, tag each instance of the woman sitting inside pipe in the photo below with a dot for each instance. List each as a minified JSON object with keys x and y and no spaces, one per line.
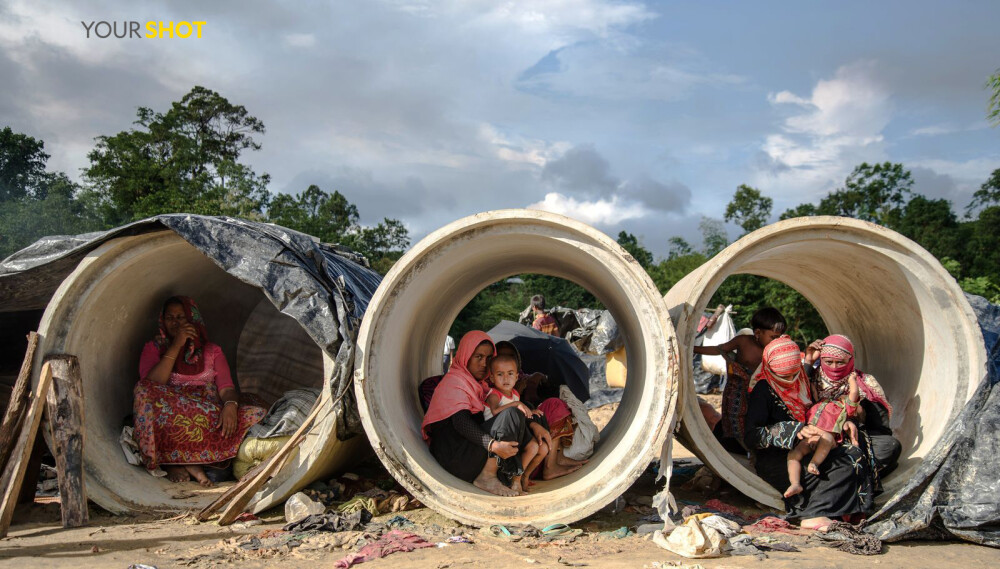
{"x":460,"y":439}
{"x":776,"y":421}
{"x":835,"y":356}
{"x":187,"y":410}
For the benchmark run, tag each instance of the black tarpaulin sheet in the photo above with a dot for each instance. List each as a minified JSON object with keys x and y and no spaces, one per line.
{"x":325,"y":288}
{"x":956,"y":490}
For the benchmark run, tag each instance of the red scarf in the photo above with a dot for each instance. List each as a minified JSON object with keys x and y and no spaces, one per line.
{"x":781,"y":368}
{"x":192,"y":361}
{"x":830,"y":380}
{"x":459,"y":390}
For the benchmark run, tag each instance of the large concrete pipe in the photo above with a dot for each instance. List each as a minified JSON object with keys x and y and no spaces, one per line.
{"x":400,"y":341}
{"x":910,"y":322}
{"x":106,"y":310}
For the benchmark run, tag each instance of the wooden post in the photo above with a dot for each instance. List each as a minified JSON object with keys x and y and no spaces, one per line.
{"x":12,"y":418}
{"x":249,"y":487}
{"x":65,"y":415}
{"x":13,"y":474}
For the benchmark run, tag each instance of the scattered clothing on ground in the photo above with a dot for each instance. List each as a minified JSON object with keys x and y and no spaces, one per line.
{"x":396,"y":541}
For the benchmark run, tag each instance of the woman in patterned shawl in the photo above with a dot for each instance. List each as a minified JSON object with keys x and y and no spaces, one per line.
{"x":187,"y":410}
{"x":776,"y":421}
{"x":836,"y":358}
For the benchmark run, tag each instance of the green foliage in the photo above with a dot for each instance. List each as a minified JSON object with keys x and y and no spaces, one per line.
{"x":333,"y":219}
{"x":749,"y":209}
{"x":987,"y":194}
{"x":26,"y":219}
{"x":713,"y":236}
{"x":872,"y":192}
{"x":678,"y":247}
{"x":749,"y":293}
{"x":631,"y":244}
{"x":801,"y":210}
{"x":993,"y":107}
{"x":505,"y":301}
{"x":932,"y":224}
{"x":22,"y":166}
{"x":184,"y":160}
{"x":671,"y":270}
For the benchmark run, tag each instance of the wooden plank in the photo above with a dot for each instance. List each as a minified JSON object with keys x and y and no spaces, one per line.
{"x":14,"y":414}
{"x":245,"y":494}
{"x":14,"y":473}
{"x":64,"y":411}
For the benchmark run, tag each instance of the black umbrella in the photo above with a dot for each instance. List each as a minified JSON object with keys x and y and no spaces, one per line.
{"x":547,"y":354}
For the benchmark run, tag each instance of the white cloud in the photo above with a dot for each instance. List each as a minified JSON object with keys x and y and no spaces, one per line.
{"x":947,"y":128}
{"x":603,"y":211}
{"x":839,"y":125}
{"x":517,"y":149}
{"x":300,"y":40}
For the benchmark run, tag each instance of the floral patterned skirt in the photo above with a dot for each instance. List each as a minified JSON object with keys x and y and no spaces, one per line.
{"x":179,"y":424}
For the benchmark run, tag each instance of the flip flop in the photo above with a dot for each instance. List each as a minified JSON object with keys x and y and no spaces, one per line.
{"x":560,"y":531}
{"x":500,"y":531}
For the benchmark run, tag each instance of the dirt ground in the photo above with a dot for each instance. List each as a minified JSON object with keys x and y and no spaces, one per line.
{"x":36,"y":539}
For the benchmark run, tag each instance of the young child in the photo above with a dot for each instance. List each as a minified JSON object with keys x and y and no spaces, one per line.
{"x":503,"y":375}
{"x":832,"y":416}
{"x":767,"y":324}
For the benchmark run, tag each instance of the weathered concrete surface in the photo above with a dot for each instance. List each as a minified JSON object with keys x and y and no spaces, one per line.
{"x":910,"y":322}
{"x":106,"y":310}
{"x":404,"y":328}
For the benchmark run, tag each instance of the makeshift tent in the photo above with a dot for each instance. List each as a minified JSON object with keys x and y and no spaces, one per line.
{"x":101,"y":293}
{"x":956,"y":490}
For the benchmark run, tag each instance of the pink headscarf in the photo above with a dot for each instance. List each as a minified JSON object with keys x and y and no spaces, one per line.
{"x":781,"y":368}
{"x":832,"y":383}
{"x":459,"y":390}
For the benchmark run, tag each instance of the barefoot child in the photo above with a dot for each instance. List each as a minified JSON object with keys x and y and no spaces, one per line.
{"x":832,"y":417}
{"x":767,"y":324}
{"x":503,"y":374}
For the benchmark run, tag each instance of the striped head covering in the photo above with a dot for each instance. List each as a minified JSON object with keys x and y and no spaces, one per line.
{"x":781,"y":368}
{"x":834,"y":383}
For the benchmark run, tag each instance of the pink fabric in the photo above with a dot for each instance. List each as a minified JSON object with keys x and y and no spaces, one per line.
{"x":459,"y":390}
{"x":781,"y":367}
{"x":830,"y":380}
{"x":555,"y":410}
{"x":396,"y":541}
{"x":837,"y":345}
{"x":217,"y":371}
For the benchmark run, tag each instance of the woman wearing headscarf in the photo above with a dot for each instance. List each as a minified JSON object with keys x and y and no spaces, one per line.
{"x":836,"y":366}
{"x":187,"y":409}
{"x":469,"y":447}
{"x":776,"y":421}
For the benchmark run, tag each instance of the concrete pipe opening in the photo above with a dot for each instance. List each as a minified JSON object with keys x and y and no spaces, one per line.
{"x":106,"y":310}
{"x":402,"y":333}
{"x":911,"y":326}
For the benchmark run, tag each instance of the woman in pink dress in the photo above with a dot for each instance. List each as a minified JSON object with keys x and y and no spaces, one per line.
{"x":187,"y":410}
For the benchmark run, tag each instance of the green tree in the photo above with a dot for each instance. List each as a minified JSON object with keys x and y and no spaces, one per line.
{"x":22,"y":165}
{"x":58,"y":211}
{"x":631,"y":244}
{"x":802,"y":210}
{"x":679,"y":247}
{"x":183,"y":160}
{"x":713,"y":236}
{"x":987,"y":194}
{"x":993,"y":107}
{"x":872,"y":192}
{"x":334,"y":219}
{"x":749,"y":209}
{"x":933,"y":225}
{"x":330,"y":217}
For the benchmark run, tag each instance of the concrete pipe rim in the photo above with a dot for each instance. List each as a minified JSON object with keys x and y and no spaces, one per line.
{"x":912,"y":260}
{"x":389,"y":424}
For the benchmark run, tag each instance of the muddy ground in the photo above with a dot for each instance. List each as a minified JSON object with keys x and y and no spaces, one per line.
{"x":36,"y":539}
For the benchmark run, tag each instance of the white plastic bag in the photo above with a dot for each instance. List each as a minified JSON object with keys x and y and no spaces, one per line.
{"x":722,"y":332}
{"x":300,"y":506}
{"x":585,"y":435}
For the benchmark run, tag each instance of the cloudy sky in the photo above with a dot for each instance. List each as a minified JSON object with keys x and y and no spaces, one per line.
{"x":626,"y":115}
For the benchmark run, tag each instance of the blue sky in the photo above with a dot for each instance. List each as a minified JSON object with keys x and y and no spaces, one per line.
{"x":626,"y":115}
